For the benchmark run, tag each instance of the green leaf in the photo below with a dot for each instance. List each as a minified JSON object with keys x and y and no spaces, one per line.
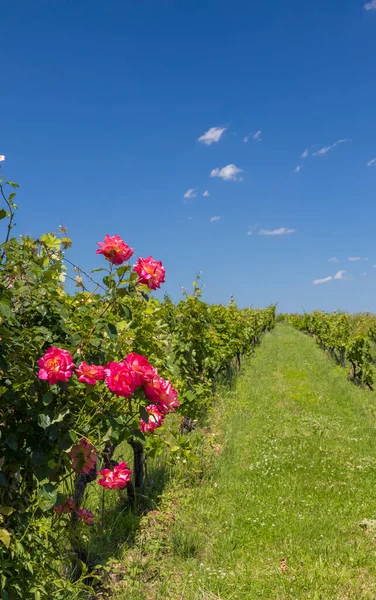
{"x":6,"y":510}
{"x":47,"y":496}
{"x":121,"y":270}
{"x":51,"y":241}
{"x":68,"y":440}
{"x":3,"y":213}
{"x":37,"y":457}
{"x":53,"y":433}
{"x":62,"y":414}
{"x":107,"y":280}
{"x":42,"y":471}
{"x":44,"y":420}
{"x":126,"y":312}
{"x":144,"y":414}
{"x":5,"y":310}
{"x":97,"y":270}
{"x":47,"y":398}
{"x":11,"y":441}
{"x":112,"y":331}
{"x":122,"y":292}
{"x":5,"y":537}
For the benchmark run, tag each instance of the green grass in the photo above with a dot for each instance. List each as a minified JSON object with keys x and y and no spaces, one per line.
{"x":294,"y":475}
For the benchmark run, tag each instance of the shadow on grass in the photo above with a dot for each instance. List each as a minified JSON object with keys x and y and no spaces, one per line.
{"x":118,"y":522}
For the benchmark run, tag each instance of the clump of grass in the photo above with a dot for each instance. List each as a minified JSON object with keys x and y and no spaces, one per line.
{"x":186,"y":542}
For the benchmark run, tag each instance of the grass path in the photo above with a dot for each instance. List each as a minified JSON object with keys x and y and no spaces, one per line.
{"x":278,"y":516}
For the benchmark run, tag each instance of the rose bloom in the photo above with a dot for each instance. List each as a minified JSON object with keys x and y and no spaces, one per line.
{"x":141,"y":367}
{"x":117,"y":478}
{"x":56,"y":365}
{"x":90,"y":373}
{"x":84,"y":457}
{"x":85,"y":515}
{"x":150,"y":272}
{"x":68,"y":507}
{"x":161,"y":392}
{"x":156,"y":417}
{"x":2,"y":157}
{"x":114,"y":249}
{"x":121,"y":379}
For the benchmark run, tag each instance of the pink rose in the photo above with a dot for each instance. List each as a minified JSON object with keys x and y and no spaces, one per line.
{"x":56,"y":365}
{"x":84,"y":457}
{"x":141,"y":367}
{"x":150,"y":272}
{"x":121,"y":379}
{"x":117,"y":478}
{"x":90,"y":373}
{"x":85,"y":515}
{"x":161,"y":392}
{"x":156,"y":417}
{"x":68,"y":507}
{"x":114,"y":249}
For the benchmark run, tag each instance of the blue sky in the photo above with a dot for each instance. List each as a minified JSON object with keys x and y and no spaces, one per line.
{"x":103,"y":105}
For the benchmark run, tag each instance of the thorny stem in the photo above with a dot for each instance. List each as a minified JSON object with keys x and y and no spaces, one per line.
{"x":98,"y":285}
{"x":104,"y":310}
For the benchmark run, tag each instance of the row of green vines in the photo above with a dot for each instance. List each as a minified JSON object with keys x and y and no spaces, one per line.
{"x":346,"y":337}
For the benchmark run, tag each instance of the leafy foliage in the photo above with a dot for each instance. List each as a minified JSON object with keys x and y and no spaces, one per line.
{"x":103,"y":321}
{"x":347,"y":337}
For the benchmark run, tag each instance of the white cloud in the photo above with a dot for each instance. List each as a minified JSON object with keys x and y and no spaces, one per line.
{"x":212,"y":219}
{"x":255,"y":136}
{"x":206,"y":193}
{"x":213,"y":134}
{"x":334,"y":259}
{"x":280,"y":231}
{"x":372,"y":161}
{"x":305,"y":153}
{"x":354,"y":258}
{"x":298,"y":169}
{"x":340,"y":275}
{"x":228,"y":173}
{"x":326,"y":149}
{"x":363,"y":274}
{"x":252,"y":229}
{"x":370,"y":5}
{"x":324,"y":280}
{"x":191,"y":193}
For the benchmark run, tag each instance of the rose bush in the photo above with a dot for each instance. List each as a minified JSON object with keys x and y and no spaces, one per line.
{"x":81,"y":373}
